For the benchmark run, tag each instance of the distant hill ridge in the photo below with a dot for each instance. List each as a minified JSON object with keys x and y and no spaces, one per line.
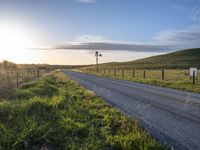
{"x":180,"y":59}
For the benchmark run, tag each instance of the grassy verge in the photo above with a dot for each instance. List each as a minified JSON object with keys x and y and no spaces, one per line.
{"x":57,"y":113}
{"x":13,"y":78}
{"x":174,"y":80}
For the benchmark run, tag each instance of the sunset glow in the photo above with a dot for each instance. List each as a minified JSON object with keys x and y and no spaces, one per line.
{"x":15,"y":40}
{"x":69,"y":32}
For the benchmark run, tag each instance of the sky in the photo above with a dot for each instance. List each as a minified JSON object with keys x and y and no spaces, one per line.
{"x":69,"y":31}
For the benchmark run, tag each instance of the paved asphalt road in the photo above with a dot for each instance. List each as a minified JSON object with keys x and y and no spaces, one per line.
{"x":172,"y":116}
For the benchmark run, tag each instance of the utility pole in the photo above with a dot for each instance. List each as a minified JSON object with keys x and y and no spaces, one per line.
{"x":97,"y":55}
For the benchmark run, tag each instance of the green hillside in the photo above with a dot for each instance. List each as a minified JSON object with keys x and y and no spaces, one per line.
{"x":179,"y":59}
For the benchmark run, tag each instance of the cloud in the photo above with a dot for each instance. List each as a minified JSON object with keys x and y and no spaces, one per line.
{"x":191,"y":8}
{"x":112,"y":46}
{"x":185,"y":38}
{"x":90,"y":39}
{"x":195,"y":13}
{"x":97,"y":39}
{"x":179,"y":7}
{"x":165,"y":41}
{"x":90,"y":42}
{"x":86,"y":1}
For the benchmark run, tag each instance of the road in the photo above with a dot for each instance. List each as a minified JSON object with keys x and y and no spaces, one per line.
{"x":172,"y":116}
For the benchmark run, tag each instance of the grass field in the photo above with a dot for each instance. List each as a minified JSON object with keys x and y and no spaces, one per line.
{"x":180,"y":59}
{"x":173,"y":78}
{"x":57,"y":113}
{"x":176,"y":66}
{"x":12,"y":78}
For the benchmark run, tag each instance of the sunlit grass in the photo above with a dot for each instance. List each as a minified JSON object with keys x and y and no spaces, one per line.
{"x":11,"y":78}
{"x":174,"y":78}
{"x":57,"y":113}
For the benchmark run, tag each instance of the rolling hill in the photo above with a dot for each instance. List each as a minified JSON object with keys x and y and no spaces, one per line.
{"x":180,"y":59}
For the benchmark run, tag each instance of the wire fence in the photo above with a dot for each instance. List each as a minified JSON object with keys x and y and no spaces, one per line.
{"x":14,"y":78}
{"x":158,"y":74}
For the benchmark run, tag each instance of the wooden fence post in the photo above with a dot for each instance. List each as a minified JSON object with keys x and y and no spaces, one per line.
{"x":38,"y":72}
{"x":115,"y":72}
{"x":163,"y":74}
{"x":34,"y":73}
{"x":144,"y":74}
{"x":104,"y":71}
{"x":123,"y":73}
{"x":133,"y":73}
{"x":41,"y":73}
{"x":193,"y":77}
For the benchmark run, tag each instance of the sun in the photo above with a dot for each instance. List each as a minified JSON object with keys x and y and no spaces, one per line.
{"x":15,"y":40}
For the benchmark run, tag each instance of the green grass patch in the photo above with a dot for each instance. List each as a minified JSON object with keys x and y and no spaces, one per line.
{"x":57,"y":113}
{"x":174,"y":78}
{"x":179,"y":59}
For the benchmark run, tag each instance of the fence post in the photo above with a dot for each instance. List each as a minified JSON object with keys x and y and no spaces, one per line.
{"x":38,"y":72}
{"x":123,"y":73}
{"x":104,"y":71}
{"x":144,"y":74}
{"x":163,"y":74}
{"x":41,"y":73}
{"x":133,"y":73}
{"x":34,"y":73}
{"x":193,"y":77}
{"x":115,"y":72}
